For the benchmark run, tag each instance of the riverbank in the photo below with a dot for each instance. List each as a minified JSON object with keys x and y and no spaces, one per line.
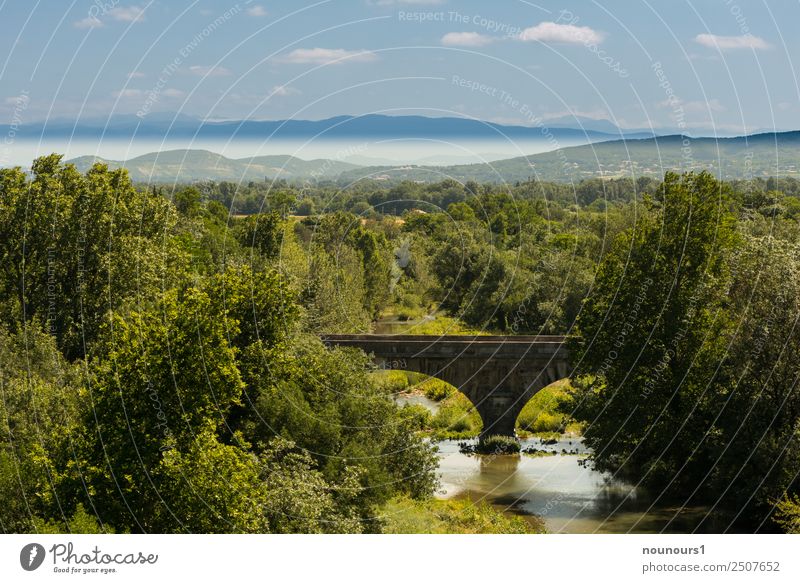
{"x":454,"y":516}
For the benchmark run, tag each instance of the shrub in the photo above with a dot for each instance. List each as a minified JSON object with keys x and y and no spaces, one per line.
{"x":498,"y":445}
{"x":456,"y":418}
{"x":787,"y":514}
{"x":419,"y":416}
{"x":81,"y":523}
{"x":540,"y":414}
{"x":392,"y":381}
{"x":403,"y":515}
{"x":436,"y":390}
{"x":543,"y":423}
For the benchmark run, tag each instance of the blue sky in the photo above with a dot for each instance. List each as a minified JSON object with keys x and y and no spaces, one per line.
{"x":697,"y":65}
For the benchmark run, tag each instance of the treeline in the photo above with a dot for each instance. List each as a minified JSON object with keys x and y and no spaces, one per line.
{"x":519,"y":261}
{"x":367,"y":198}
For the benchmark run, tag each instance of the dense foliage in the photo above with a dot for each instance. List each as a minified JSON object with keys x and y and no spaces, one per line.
{"x":161,"y":368}
{"x":689,"y":343}
{"x":160,"y":371}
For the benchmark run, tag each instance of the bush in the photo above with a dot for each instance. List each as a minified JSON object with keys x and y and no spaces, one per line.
{"x":456,"y":419}
{"x":498,"y":445}
{"x":446,"y":325}
{"x":405,"y":516}
{"x":81,"y":523}
{"x":787,"y":514}
{"x":392,"y":381}
{"x":436,"y":390}
{"x":543,"y":423}
{"x":540,"y":414}
{"x":418,"y":415}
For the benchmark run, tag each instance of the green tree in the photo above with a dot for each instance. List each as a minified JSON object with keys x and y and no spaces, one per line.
{"x":328,"y":404}
{"x":39,"y":416}
{"x":752,"y":450}
{"x":187,"y":201}
{"x":263,"y":232}
{"x":76,"y":246}
{"x":653,"y":334}
{"x":169,"y":373}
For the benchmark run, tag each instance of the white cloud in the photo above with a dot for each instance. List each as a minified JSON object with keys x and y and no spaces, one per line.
{"x":724,"y":43}
{"x":466,"y":39}
{"x":407,"y":2}
{"x":209,"y":71}
{"x":173,"y":93}
{"x":141,"y":94}
{"x":88,"y":22}
{"x":256,"y":11}
{"x":283,"y":91}
{"x":17,"y":100}
{"x":713,"y":105}
{"x":699,"y":106}
{"x":318,"y":56}
{"x":118,"y":13}
{"x":128,"y":94}
{"x":127,"y":13}
{"x":561,"y":33}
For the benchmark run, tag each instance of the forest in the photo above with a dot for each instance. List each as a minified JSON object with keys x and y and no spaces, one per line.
{"x":161,"y":368}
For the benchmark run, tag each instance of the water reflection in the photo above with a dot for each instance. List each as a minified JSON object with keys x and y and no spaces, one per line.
{"x":570,"y":497}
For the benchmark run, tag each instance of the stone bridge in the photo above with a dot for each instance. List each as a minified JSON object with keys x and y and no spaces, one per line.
{"x":498,"y":374}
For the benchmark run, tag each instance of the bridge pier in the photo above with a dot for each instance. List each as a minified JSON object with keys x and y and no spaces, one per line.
{"x":499,"y":414}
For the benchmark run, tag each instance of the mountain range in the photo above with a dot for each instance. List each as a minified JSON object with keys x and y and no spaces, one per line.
{"x":767,"y":154}
{"x":384,"y":127}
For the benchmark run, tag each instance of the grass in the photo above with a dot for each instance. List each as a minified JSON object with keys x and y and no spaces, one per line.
{"x":401,"y":381}
{"x":407,"y":516}
{"x":441,"y":325}
{"x":392,"y":381}
{"x":405,"y":311}
{"x":456,"y":419}
{"x":540,"y":415}
{"x":436,"y":390}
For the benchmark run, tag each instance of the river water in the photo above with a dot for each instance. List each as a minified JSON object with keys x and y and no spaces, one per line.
{"x":561,"y":489}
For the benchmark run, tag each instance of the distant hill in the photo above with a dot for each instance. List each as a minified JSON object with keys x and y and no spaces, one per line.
{"x":193,"y":165}
{"x":768,"y":154}
{"x":335,"y":128}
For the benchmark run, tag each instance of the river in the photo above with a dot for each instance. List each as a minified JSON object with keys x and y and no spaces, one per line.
{"x":567,"y":494}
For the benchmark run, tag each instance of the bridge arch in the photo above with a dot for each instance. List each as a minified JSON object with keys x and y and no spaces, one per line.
{"x":498,"y":374}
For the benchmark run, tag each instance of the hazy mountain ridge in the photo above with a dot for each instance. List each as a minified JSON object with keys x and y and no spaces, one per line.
{"x":770,"y":154}
{"x":193,"y":165}
{"x":334,"y":128}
